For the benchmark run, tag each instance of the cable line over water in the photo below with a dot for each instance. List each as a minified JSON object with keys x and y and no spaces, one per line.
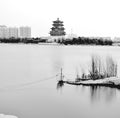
{"x":29,"y":83}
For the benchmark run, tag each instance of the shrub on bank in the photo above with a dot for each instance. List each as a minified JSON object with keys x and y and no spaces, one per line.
{"x":86,"y":41}
{"x":22,"y":40}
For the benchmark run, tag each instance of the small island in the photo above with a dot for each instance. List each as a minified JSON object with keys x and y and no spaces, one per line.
{"x":100,"y":74}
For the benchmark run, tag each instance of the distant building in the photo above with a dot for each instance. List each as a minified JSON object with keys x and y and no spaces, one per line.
{"x":4,"y":32}
{"x":25,"y":32}
{"x":116,"y":39}
{"x":13,"y":32}
{"x":57,"y":31}
{"x":103,"y":38}
{"x":71,"y":36}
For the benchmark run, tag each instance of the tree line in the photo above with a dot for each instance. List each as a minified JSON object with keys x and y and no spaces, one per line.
{"x":74,"y":41}
{"x":86,"y":41}
{"x":22,"y":40}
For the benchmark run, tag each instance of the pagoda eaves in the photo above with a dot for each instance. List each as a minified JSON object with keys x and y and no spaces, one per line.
{"x":57,"y":29}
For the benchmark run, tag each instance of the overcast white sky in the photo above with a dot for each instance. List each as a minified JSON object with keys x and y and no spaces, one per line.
{"x":84,"y":17}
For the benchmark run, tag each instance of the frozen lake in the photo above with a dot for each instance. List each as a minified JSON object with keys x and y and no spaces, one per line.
{"x":28,"y":82}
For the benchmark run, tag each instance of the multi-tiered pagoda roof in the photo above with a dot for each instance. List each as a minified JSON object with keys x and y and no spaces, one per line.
{"x":58,"y":28}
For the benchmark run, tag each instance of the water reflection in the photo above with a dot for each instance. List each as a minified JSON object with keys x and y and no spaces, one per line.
{"x":98,"y":93}
{"x":94,"y":93}
{"x":60,"y":85}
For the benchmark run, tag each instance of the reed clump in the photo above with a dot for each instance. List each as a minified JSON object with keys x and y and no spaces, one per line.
{"x":100,"y":69}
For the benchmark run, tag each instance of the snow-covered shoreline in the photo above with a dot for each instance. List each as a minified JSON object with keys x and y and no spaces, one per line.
{"x":113,"y":82}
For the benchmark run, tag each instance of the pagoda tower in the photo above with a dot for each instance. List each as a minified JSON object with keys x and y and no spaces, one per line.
{"x":58,"y":28}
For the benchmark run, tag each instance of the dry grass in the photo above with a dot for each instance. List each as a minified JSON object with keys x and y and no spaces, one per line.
{"x":100,"y":69}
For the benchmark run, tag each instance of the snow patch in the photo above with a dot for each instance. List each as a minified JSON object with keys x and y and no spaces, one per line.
{"x":115,"y":80}
{"x":7,"y":116}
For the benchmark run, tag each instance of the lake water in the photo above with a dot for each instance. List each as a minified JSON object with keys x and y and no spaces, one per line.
{"x":28,"y":82}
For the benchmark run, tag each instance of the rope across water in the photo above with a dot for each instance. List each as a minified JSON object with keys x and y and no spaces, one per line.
{"x":15,"y":86}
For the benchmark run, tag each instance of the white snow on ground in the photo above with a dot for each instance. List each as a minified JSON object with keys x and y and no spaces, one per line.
{"x":115,"y":80}
{"x":7,"y":116}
